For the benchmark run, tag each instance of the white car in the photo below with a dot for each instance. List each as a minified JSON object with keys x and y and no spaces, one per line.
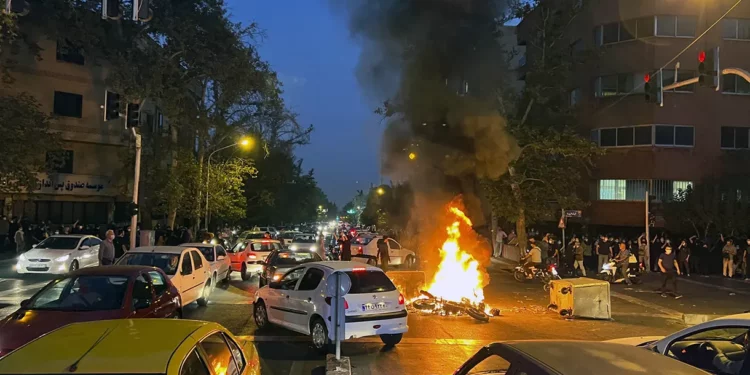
{"x":216,"y":255}
{"x":287,"y":237}
{"x":186,"y":267}
{"x":60,"y":254}
{"x":365,"y":249}
{"x":689,"y":345}
{"x":304,"y":242}
{"x":298,"y":302}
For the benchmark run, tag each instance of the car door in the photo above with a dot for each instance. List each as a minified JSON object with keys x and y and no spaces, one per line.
{"x":303,"y":299}
{"x":164,"y":302}
{"x":279,"y":297}
{"x":394,"y":252}
{"x":224,"y":263}
{"x":186,"y":276}
{"x":83,"y":254}
{"x":93,"y":252}
{"x":201,"y":270}
{"x":142,"y":298}
{"x":222,"y":355}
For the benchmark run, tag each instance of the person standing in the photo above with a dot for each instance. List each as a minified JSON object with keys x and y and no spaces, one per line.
{"x":743,"y":260}
{"x":669,"y":271}
{"x":729,"y":252}
{"x":20,"y":240}
{"x":578,"y":253}
{"x":604,"y":251}
{"x":119,"y":243}
{"x":683,"y":256}
{"x":499,"y":239}
{"x":107,"y":249}
{"x":644,"y":256}
{"x":383,"y":253}
{"x":346,"y":247}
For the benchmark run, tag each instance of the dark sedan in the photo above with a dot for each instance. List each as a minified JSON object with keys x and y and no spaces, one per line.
{"x":280,"y":261}
{"x":99,"y":293}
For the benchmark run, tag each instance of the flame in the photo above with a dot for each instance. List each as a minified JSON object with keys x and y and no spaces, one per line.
{"x":458,"y":277}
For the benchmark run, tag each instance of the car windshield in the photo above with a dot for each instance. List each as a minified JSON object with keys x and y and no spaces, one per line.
{"x":363,"y":240}
{"x":208,"y":252}
{"x":289,"y":258}
{"x":59,"y":243}
{"x":304,"y":239}
{"x":288,"y":235}
{"x":167,"y":262}
{"x":261,"y":246}
{"x":369,"y":282}
{"x":253,"y":235}
{"x":82,"y":293}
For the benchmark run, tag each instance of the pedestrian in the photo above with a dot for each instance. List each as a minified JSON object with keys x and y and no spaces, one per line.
{"x":512,"y":237}
{"x":623,"y":261}
{"x":19,"y":239}
{"x":728,"y":252}
{"x":669,"y":270}
{"x":346,"y":247}
{"x":604,"y":251}
{"x":578,"y":253}
{"x":743,"y":260}
{"x":499,"y":239}
{"x":119,"y":243}
{"x":683,"y":256}
{"x":107,"y":249}
{"x":644,"y":258}
{"x":383,"y":253}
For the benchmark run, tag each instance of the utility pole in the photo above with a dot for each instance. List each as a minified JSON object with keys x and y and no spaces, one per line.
{"x":136,"y":182}
{"x":648,"y":238}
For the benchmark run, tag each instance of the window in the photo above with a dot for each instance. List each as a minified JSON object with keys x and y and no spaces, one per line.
{"x":678,"y":186}
{"x":624,"y":31}
{"x":142,"y":295}
{"x":624,"y":136}
{"x":311,"y":280}
{"x":194,"y":365}
{"x":68,"y":52}
{"x":60,"y":161}
{"x":734,"y":84}
{"x":608,"y":137}
{"x":160,"y":285}
{"x":734,"y":137}
{"x":619,"y":84}
{"x":187,"y":265}
{"x":646,"y":27}
{"x":628,"y":30}
{"x":369,"y":282}
{"x":733,"y":28}
{"x":218,"y":354}
{"x":611,"y":33}
{"x":239,"y":357}
{"x":575,"y":97}
{"x":683,"y":26}
{"x":394,"y":245}
{"x":612,"y":190}
{"x":289,"y":281}
{"x":670,"y":135}
{"x":197,"y":261}
{"x":642,"y":135}
{"x":220,"y":252}
{"x":682,"y":75}
{"x":208,"y":253}
{"x":68,"y":104}
{"x":595,"y":136}
{"x":683,"y":136}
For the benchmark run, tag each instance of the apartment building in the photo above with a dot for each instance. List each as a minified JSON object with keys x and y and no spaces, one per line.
{"x":94,"y":184}
{"x":697,"y":131}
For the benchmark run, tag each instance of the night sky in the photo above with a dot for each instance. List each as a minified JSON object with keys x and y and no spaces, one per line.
{"x":310,"y":48}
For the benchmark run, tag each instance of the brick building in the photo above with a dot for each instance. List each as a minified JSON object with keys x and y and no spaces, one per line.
{"x":650,"y":147}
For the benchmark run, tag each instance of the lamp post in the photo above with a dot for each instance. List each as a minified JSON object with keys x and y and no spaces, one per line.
{"x":244,"y":142}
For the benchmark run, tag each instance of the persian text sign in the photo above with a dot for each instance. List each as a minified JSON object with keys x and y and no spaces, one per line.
{"x":74,"y":184}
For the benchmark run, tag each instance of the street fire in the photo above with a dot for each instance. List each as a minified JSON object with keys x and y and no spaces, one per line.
{"x":458,"y":285}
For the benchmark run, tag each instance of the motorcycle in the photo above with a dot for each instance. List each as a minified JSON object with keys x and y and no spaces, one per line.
{"x":609,"y":271}
{"x":543,"y":274}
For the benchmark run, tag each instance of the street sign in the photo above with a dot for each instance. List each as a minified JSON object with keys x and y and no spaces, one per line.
{"x":561,"y":225}
{"x":572,"y":213}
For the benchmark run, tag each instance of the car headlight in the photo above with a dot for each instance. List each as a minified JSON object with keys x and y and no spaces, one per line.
{"x":62,"y":258}
{"x":22,"y":257}
{"x":293,"y":247}
{"x":313,"y":248}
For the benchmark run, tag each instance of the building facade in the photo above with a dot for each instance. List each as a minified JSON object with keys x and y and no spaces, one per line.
{"x":650,"y":147}
{"x":94,"y":184}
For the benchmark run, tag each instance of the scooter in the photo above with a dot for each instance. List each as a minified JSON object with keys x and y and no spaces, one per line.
{"x":609,"y":271}
{"x":544,"y":274}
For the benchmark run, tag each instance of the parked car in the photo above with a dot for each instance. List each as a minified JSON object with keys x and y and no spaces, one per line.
{"x":216,"y":255}
{"x":691,"y":345}
{"x":298,"y":302}
{"x":281,"y":261}
{"x":248,"y":256}
{"x":97,"y":293}
{"x":138,"y":346}
{"x":60,"y":254}
{"x":186,"y":267}
{"x":548,"y":357}
{"x":365,"y":249}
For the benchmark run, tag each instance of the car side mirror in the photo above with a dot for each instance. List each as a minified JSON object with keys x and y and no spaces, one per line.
{"x":84,"y":247}
{"x":25,"y":303}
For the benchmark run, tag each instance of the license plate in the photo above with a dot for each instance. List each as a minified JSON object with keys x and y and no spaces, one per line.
{"x":374,"y":306}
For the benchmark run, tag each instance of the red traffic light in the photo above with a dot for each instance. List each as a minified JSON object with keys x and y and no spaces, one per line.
{"x":701,"y":56}
{"x":646,"y":77}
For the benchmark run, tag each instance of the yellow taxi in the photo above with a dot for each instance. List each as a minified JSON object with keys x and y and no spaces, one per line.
{"x":135,"y":346}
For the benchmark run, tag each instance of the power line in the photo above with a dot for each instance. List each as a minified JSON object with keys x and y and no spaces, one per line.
{"x":675,"y":57}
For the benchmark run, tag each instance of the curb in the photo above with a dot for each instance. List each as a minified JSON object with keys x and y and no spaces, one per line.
{"x":338,"y":366}
{"x":719,"y":287}
{"x":693,"y":319}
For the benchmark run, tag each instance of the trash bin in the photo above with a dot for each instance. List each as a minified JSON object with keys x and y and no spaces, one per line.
{"x":582,"y":298}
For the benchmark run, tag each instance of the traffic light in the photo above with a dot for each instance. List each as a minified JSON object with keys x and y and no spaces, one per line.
{"x":17,"y":7}
{"x":647,"y":89}
{"x":133,"y":209}
{"x":132,"y":115}
{"x":111,"y":9}
{"x":707,"y":67}
{"x":111,"y":106}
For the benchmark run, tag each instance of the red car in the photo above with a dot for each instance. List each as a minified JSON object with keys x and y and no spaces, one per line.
{"x":248,"y":256}
{"x":98,"y":293}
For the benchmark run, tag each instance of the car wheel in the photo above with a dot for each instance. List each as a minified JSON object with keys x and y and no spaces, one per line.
{"x":243,"y":272}
{"x":73,"y":266}
{"x":261,"y":315}
{"x":319,"y":335}
{"x":228,"y":278}
{"x":203,"y":301}
{"x":214,"y":278}
{"x":391,"y":340}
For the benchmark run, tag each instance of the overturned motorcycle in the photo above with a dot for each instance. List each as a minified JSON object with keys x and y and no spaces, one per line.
{"x":543,"y":274}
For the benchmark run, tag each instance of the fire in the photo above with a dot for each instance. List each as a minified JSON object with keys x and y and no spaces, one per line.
{"x":458,"y":277}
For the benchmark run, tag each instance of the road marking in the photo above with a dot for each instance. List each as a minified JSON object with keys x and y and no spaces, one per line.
{"x":369,"y":340}
{"x":638,"y":301}
{"x":20,"y":289}
{"x":709,"y":285}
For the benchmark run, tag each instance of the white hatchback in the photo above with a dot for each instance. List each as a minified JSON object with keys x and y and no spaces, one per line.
{"x":60,"y":254}
{"x":186,"y":267}
{"x":216,"y":255}
{"x":298,"y":302}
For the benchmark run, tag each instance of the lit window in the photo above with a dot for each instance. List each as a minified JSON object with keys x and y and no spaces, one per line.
{"x":612,"y":190}
{"x":677,"y":186}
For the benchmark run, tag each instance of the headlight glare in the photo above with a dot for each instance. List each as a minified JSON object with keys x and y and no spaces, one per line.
{"x":62,"y":258}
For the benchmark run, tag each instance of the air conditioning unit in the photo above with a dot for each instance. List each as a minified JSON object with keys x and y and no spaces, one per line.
{"x":582,"y":298}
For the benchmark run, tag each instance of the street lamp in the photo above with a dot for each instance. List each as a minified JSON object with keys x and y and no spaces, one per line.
{"x":244,"y":142}
{"x":380,"y":191}
{"x":412,"y":156}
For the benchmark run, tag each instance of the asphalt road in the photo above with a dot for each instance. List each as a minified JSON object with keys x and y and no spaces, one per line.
{"x":448,"y":341}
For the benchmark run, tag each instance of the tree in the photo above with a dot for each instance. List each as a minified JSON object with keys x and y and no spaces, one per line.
{"x":553,"y":159}
{"x":390,"y":210}
{"x":227,"y":190}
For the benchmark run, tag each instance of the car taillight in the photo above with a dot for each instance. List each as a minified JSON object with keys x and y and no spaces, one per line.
{"x":400,"y":299}
{"x":252,"y":255}
{"x":359,"y":269}
{"x":359,"y":250}
{"x":328,"y":301}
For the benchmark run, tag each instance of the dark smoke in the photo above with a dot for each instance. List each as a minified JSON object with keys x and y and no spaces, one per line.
{"x":419,"y":57}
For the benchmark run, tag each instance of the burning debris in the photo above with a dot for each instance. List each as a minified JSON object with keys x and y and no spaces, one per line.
{"x":429,"y":304}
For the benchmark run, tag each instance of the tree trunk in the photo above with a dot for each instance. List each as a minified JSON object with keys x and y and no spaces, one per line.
{"x":521,"y":221}
{"x":172,"y":216}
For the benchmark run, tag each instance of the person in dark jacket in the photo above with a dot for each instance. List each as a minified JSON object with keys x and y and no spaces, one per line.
{"x":346,"y":247}
{"x":383,"y":253}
